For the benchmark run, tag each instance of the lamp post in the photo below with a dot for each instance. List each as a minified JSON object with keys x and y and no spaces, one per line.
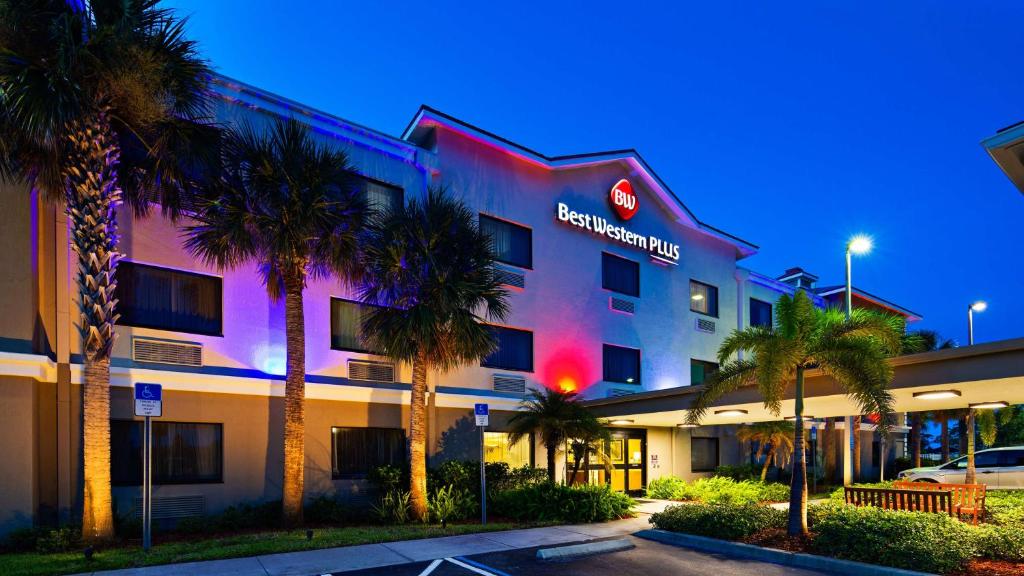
{"x":859,"y":244}
{"x":978,"y":306}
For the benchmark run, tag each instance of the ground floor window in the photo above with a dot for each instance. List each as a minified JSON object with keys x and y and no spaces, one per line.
{"x":183,"y":452}
{"x":703,"y":454}
{"x":497,"y":449}
{"x":356,"y":451}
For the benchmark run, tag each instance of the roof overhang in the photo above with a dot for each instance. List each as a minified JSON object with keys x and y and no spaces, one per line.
{"x":910,"y":315}
{"x":427,"y":119}
{"x":987,"y":372}
{"x":1006,"y":148}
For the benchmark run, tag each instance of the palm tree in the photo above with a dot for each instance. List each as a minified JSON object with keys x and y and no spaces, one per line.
{"x":852,"y":351}
{"x":987,"y":423}
{"x":775,"y":437}
{"x":552,"y":414}
{"x":587,"y":440}
{"x":431,"y":272}
{"x":102,"y":102}
{"x":292,"y":206}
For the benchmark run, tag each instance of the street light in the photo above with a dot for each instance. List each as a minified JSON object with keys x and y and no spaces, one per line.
{"x":859,"y":244}
{"x":978,"y":306}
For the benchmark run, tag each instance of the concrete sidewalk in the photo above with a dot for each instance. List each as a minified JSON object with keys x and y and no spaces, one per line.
{"x":344,"y":559}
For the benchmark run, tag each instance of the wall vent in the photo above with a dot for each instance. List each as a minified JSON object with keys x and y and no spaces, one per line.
{"x":174,"y":507}
{"x":165,"y":352}
{"x":616,"y":392}
{"x":622,"y":305}
{"x":511,"y":278}
{"x":371,"y":371}
{"x":705,"y":325}
{"x":516,"y":384}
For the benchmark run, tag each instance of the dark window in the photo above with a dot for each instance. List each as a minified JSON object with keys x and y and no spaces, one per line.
{"x":515,"y":350}
{"x":1013,"y":457}
{"x":700,"y":370}
{"x":620,"y":275}
{"x":703,"y":298}
{"x":346,"y":324}
{"x":621,"y":364}
{"x":512,"y":243}
{"x":381,"y":197}
{"x":760,"y":313}
{"x":987,"y":459}
{"x":165,"y":299}
{"x":703,"y":454}
{"x":357,"y":451}
{"x":183,"y":452}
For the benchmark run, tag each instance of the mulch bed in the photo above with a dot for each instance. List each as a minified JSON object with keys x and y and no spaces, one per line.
{"x":991,"y":568}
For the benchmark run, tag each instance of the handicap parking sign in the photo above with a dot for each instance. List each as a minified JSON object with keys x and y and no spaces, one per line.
{"x":148,"y":399}
{"x":481,"y":413}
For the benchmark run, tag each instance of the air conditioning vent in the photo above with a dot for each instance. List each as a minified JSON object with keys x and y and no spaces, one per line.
{"x":174,"y":507}
{"x":516,"y":384}
{"x":512,"y":278}
{"x":622,"y":305}
{"x":371,"y":371}
{"x":165,"y":352}
{"x":616,"y":392}
{"x":705,"y":325}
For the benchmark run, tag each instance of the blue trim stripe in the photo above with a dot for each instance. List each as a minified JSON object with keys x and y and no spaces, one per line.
{"x":481,"y":566}
{"x":16,"y":346}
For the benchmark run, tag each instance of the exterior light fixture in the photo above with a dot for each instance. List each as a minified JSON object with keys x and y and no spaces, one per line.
{"x":629,"y":380}
{"x":730,"y":412}
{"x":697,"y":297}
{"x":977,"y":306}
{"x":859,"y":244}
{"x":805,"y":417}
{"x":685,"y":425}
{"x":937,"y":394}
{"x":989,"y":405}
{"x":620,"y":421}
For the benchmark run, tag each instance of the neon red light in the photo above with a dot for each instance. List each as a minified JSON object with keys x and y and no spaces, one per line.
{"x":568,"y":370}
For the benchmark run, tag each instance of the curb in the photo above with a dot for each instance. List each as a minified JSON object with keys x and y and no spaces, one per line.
{"x":794,"y":559}
{"x":586,"y":549}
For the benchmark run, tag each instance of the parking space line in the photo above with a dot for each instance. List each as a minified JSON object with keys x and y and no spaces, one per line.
{"x":475,"y":566}
{"x":430,"y":568}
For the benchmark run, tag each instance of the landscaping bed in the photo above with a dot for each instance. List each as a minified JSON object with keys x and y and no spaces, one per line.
{"x":717,"y":490}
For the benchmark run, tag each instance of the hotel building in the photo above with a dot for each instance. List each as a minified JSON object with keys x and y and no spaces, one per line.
{"x":617,"y":289}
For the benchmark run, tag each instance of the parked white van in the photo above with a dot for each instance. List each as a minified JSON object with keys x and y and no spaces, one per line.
{"x":997,"y":468}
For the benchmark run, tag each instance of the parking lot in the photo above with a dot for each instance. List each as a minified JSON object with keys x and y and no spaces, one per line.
{"x":646,"y":559}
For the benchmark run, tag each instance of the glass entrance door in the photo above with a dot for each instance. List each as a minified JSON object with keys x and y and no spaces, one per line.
{"x":624,"y":455}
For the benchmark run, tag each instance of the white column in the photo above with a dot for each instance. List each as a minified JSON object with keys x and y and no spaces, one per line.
{"x":848,"y":451}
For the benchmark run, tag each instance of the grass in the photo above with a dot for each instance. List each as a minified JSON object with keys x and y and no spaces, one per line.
{"x":236,"y":546}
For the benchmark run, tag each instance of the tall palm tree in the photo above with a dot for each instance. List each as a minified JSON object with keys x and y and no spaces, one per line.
{"x":987,"y":422}
{"x":587,"y":440}
{"x":101,"y":102}
{"x":774,"y":437}
{"x":852,"y":351}
{"x":552,"y":414}
{"x":292,"y":206}
{"x":431,"y":272}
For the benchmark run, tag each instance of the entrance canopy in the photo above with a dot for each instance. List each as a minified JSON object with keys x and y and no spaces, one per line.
{"x":990,"y":372}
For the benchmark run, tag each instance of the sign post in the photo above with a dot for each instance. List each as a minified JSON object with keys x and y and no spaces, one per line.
{"x":482,"y":420}
{"x":148,"y":403}
{"x":814,"y":450}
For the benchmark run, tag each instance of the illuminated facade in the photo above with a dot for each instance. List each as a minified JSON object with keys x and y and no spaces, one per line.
{"x":616,"y":288}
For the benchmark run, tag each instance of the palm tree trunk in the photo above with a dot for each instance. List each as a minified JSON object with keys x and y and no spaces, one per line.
{"x":92,"y":196}
{"x":767,"y":463}
{"x":798,"y":488}
{"x":294,"y":402}
{"x":945,"y":436}
{"x":962,"y":426}
{"x":856,"y":448}
{"x":551,"y":448}
{"x":418,"y":440}
{"x":968,"y":431}
{"x":916,"y":423}
{"x":828,"y":446}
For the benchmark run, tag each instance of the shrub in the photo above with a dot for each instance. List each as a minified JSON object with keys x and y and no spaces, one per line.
{"x":1000,"y":542}
{"x":1005,"y":507}
{"x":727,"y":521}
{"x":665,"y":488}
{"x":911,"y":540}
{"x":387,"y":478}
{"x":327,"y":510}
{"x":558,"y":503}
{"x":59,"y":540}
{"x":739,"y":472}
{"x":447,"y":503}
{"x":717,"y":490}
{"x":393,"y":507}
{"x":773,"y":492}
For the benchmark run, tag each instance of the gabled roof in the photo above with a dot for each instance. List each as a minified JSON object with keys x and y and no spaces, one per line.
{"x":427,"y":118}
{"x":826,"y":291}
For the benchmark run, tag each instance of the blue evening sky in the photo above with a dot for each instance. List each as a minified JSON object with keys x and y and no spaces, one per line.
{"x":792,"y":125}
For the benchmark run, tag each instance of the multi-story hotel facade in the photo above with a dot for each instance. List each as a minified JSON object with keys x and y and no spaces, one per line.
{"x":616,"y":287}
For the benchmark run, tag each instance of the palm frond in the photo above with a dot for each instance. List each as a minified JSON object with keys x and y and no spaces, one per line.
{"x":727,"y":378}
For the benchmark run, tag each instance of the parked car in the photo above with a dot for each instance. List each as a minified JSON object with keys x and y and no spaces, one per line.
{"x":997,"y":468}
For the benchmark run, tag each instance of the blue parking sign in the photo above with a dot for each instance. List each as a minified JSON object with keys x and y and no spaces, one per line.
{"x":481,"y":413}
{"x":148,"y":399}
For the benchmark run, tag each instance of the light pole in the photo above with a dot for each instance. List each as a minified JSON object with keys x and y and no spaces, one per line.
{"x":859,"y":244}
{"x":978,"y":306}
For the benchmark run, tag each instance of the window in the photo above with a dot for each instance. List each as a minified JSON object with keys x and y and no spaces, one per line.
{"x":621,"y":364}
{"x":620,"y":275}
{"x":346,"y":324}
{"x":981,"y":460}
{"x":1013,"y":458}
{"x":497,"y":449}
{"x":165,"y":299}
{"x":356,"y":451}
{"x":703,"y":298}
{"x":703,"y":454}
{"x":381,"y":197}
{"x":760,"y":313}
{"x":700,"y":370}
{"x":183,"y":452}
{"x":512,"y":243}
{"x":514,"y":352}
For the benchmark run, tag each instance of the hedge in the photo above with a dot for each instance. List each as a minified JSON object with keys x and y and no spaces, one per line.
{"x":727,"y":521}
{"x":717,"y":490}
{"x":557,"y":503}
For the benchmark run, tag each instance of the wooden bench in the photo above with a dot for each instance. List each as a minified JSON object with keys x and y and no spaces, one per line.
{"x":938,"y":501}
{"x":967,"y":498}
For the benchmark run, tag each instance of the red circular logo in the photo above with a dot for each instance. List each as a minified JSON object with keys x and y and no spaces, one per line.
{"x":623,"y":199}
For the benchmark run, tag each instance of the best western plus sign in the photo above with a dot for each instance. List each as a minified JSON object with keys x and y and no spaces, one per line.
{"x":624,"y":200}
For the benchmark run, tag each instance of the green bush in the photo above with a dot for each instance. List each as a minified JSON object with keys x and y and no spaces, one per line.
{"x":1000,"y":542}
{"x":665,"y":488}
{"x":739,"y":472}
{"x":326,"y":509}
{"x":393,"y":507}
{"x":911,"y":540}
{"x":717,"y":490}
{"x":42,"y":539}
{"x":727,"y":521}
{"x":448,"y":503}
{"x":772,"y":492}
{"x":387,"y":478}
{"x":1005,"y":507}
{"x":557,"y":503}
